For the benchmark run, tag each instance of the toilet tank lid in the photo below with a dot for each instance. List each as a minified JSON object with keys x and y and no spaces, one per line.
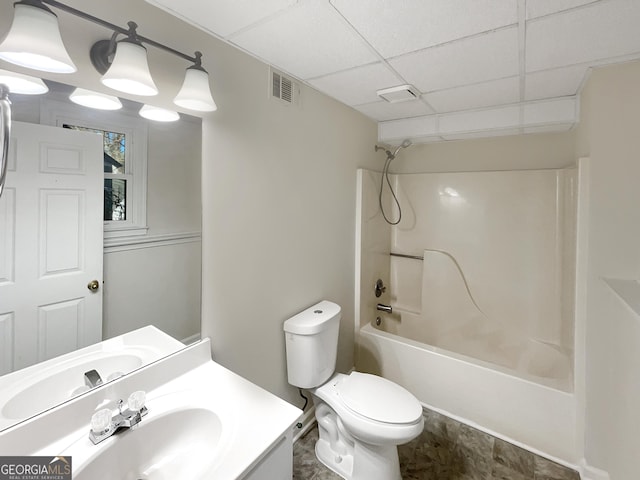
{"x":314,"y":319}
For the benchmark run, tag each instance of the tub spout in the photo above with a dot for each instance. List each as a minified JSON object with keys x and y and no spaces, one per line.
{"x":384,"y":308}
{"x":92,"y":379}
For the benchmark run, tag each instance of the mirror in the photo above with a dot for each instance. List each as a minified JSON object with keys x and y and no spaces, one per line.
{"x":151,"y":267}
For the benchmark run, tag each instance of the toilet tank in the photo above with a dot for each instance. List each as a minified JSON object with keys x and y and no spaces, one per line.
{"x":311,"y":339}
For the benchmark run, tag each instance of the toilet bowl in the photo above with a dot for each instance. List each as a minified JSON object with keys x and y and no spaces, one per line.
{"x":361,"y":417}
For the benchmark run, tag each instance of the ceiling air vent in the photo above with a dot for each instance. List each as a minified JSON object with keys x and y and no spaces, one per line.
{"x":283,"y":88}
{"x":401,"y":93}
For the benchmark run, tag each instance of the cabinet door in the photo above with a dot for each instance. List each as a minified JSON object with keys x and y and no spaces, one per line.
{"x":276,"y":464}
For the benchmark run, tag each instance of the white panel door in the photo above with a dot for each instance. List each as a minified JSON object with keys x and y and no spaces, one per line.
{"x":50,"y":245}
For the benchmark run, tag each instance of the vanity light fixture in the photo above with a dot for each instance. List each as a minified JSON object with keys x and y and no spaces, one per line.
{"x":158,"y":114}
{"x":34,"y":39}
{"x":195,"y":93}
{"x":23,"y":84}
{"x":128,"y":71}
{"x":35,"y":35}
{"x":98,"y":100}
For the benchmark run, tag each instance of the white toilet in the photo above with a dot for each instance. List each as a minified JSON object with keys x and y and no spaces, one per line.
{"x":361,"y":417}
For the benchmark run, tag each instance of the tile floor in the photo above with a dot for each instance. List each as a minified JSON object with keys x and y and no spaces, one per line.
{"x":446,"y":450}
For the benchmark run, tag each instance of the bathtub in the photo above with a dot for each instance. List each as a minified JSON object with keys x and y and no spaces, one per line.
{"x":521,"y":410}
{"x":488,"y":343}
{"x":481,"y":278}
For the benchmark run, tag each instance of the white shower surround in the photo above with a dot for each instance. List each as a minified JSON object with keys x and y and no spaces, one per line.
{"x":536,"y":411}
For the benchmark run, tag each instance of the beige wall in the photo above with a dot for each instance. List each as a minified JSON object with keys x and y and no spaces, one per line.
{"x":279,"y":195}
{"x":609,"y":134}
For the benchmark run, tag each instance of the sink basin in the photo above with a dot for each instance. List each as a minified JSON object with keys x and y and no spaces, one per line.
{"x":56,"y":385}
{"x":34,"y":389}
{"x":178,"y":444}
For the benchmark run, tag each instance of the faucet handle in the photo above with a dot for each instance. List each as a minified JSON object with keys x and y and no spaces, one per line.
{"x":101,"y":420}
{"x":136,"y":401}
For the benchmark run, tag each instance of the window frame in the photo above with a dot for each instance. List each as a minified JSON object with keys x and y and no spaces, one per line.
{"x":57,"y":114}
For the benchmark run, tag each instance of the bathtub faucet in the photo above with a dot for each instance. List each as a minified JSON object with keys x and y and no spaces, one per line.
{"x":104,"y":423}
{"x":384,"y":308}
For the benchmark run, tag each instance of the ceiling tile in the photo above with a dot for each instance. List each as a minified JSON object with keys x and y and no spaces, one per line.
{"x":308,"y":40}
{"x":495,"y":92}
{"x":222,"y":17}
{"x":358,"y":85}
{"x":472,"y":60}
{"x":382,"y":110}
{"x":540,"y":8}
{"x":554,"y":83}
{"x":395,"y":27}
{"x":604,"y":29}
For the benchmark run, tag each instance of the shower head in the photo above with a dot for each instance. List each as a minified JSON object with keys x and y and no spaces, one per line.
{"x":405,"y":143}
{"x":390,"y":156}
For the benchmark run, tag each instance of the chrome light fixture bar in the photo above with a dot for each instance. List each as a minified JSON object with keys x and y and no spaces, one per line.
{"x":123,"y":63}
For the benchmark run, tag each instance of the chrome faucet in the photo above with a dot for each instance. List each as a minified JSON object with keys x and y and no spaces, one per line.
{"x":104,"y":423}
{"x":92,"y":379}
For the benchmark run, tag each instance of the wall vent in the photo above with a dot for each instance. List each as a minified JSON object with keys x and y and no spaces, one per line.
{"x":283,"y":88}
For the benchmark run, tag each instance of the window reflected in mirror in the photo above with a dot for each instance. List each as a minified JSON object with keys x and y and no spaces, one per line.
{"x":115,"y":181}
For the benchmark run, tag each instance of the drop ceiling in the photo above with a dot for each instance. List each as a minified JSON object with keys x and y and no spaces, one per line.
{"x":480,"y":67}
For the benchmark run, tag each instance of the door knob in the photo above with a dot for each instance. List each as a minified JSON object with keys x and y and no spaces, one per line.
{"x":93,"y":285}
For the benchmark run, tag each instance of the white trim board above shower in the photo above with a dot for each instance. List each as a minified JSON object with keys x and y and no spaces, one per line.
{"x":556,"y":115}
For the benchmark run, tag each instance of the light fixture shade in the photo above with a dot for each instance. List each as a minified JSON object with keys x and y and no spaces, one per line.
{"x":24,"y":84}
{"x":91,"y":99}
{"x":195,"y":93}
{"x":158,"y":114}
{"x":34,"y":41}
{"x":129,"y":71}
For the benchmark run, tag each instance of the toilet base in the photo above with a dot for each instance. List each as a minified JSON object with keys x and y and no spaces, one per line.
{"x":340,"y":464}
{"x":350,"y":458}
{"x":372,"y":462}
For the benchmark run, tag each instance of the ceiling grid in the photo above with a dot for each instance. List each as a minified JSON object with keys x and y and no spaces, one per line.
{"x":472,"y":61}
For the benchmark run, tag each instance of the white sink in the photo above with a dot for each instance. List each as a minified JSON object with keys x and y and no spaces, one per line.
{"x":180,"y":444}
{"x":204,"y":422}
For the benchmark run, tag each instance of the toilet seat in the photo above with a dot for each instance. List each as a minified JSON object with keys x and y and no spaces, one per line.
{"x":367,"y":429}
{"x":378,"y":399}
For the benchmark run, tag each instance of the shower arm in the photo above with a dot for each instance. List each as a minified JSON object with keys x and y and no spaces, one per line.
{"x":390,"y":156}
